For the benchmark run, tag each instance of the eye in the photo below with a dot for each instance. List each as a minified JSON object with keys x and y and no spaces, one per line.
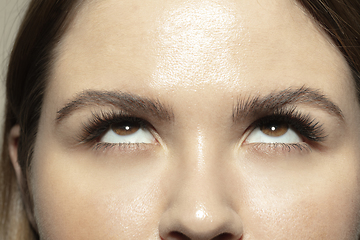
{"x":273,"y":132}
{"x":127,"y":132}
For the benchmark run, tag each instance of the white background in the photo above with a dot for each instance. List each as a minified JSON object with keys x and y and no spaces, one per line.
{"x":11,"y":13}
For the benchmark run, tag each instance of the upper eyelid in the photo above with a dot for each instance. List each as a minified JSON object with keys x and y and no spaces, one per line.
{"x":90,"y":141}
{"x":101,"y":114}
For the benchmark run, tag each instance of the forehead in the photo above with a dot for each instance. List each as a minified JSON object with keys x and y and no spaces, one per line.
{"x":237,"y":46}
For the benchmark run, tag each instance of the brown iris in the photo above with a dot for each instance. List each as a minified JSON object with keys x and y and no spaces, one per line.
{"x":125,"y":128}
{"x":274,"y":129}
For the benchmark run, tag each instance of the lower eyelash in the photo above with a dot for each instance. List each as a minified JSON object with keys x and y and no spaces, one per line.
{"x":101,"y":146}
{"x":281,"y":147}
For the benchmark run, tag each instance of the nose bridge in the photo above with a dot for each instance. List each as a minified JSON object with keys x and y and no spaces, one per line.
{"x":202,"y":145}
{"x":199,"y":208}
{"x":199,"y":183}
{"x":201,"y":176}
{"x":200,"y":152}
{"x":199,"y":161}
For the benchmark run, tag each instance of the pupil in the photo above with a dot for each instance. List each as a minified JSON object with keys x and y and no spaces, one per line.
{"x":274,"y":129}
{"x":126,"y":128}
{"x":274,"y":126}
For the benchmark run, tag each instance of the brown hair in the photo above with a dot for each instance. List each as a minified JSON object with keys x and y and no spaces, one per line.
{"x":341,"y":20}
{"x":30,"y":62}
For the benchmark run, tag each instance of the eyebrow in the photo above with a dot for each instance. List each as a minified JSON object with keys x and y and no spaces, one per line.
{"x":131,"y":104}
{"x":277,"y":100}
{"x":245,"y":107}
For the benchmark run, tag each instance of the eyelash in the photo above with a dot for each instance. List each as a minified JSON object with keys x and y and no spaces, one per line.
{"x":100,"y":122}
{"x":307,"y":127}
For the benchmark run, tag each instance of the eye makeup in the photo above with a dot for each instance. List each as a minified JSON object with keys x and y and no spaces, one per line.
{"x":309,"y":130}
{"x":307,"y":127}
{"x":102,"y":121}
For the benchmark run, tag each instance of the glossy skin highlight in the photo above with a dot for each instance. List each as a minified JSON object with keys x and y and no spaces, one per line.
{"x":199,"y":179}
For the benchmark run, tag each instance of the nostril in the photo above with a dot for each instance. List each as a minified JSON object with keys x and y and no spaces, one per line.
{"x":210,"y":218}
{"x":180,"y":236}
{"x":177,"y":236}
{"x":225,"y":236}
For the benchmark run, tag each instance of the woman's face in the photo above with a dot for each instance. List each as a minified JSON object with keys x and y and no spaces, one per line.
{"x":196,"y":120}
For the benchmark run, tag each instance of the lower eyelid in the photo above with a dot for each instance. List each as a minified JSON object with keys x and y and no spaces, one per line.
{"x":123,"y":147}
{"x":141,"y":135}
{"x":127,"y":146}
{"x":278,"y":148}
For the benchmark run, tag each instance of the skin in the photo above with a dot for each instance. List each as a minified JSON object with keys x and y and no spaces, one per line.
{"x":200,"y":179}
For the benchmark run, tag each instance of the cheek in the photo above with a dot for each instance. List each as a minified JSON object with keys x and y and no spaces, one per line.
{"x":319,"y":203}
{"x":78,"y":198}
{"x":325,"y":216}
{"x":80,"y":195}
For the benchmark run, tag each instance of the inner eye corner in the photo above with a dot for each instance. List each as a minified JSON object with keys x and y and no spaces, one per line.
{"x":246,"y":133}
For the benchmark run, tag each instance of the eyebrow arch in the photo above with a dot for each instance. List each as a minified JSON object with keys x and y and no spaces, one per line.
{"x":131,"y":104}
{"x":254,"y":106}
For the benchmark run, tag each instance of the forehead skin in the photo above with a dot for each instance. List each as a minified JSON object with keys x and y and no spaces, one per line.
{"x":182,"y":47}
{"x":198,"y":57}
{"x":231,"y":38}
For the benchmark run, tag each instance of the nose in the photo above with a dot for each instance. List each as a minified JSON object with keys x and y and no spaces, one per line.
{"x":199,"y":223}
{"x":200,"y":208}
{"x":202,"y":216}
